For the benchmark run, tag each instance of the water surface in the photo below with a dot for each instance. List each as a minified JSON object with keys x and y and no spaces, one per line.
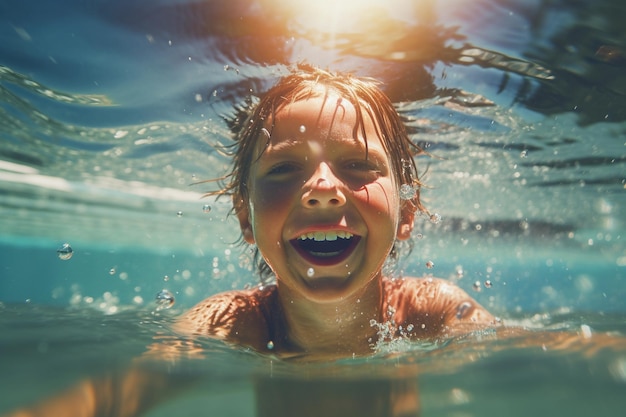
{"x":110,"y":113}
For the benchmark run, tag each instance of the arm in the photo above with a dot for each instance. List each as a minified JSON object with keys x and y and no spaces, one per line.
{"x":122,"y":394}
{"x":128,"y":392}
{"x":433,"y":307}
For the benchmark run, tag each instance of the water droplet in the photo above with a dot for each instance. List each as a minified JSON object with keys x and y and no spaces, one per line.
{"x":462,"y":309}
{"x":164,"y":300}
{"x":430,"y":264}
{"x":65,"y":252}
{"x":435,"y":218}
{"x":270,"y":345}
{"x":302,"y":129}
{"x":310,"y":272}
{"x":179,"y":213}
{"x":407,"y":192}
{"x":488,"y":284}
{"x":585,"y":330}
{"x":477,"y":286}
{"x":206,"y":208}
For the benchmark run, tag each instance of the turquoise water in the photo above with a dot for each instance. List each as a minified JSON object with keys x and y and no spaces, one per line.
{"x":108,"y":115}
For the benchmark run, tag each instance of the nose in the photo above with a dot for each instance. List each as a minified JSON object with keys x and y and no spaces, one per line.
{"x":322,"y":191}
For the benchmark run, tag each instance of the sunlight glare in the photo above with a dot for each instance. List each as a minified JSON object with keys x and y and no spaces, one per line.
{"x":339,"y":16}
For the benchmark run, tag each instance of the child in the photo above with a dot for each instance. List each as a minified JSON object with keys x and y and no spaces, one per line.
{"x":315,"y":185}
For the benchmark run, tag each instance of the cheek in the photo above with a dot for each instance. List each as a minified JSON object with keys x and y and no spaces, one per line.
{"x":269,"y":199}
{"x":380,"y":198}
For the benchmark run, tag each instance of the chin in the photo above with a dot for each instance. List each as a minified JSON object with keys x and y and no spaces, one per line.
{"x":328,"y":290}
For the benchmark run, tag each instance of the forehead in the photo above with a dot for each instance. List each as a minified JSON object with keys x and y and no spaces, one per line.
{"x":321,"y":116}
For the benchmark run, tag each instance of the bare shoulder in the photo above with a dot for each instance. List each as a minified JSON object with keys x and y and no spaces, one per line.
{"x":236,"y":316}
{"x":435,"y":305}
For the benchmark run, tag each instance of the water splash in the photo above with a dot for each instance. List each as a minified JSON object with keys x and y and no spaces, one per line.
{"x":407,"y":191}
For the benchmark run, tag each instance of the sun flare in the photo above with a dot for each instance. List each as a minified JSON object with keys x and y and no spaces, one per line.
{"x":340,"y":16}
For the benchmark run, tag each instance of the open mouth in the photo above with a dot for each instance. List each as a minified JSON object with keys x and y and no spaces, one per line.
{"x":325,"y":248}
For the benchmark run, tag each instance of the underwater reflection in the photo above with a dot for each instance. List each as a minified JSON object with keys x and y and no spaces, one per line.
{"x":382,"y":385}
{"x":340,"y":397}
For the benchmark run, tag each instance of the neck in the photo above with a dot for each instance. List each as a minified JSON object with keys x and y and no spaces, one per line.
{"x":339,"y":327}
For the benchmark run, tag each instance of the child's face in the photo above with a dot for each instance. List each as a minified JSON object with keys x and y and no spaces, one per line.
{"x":323,"y":216}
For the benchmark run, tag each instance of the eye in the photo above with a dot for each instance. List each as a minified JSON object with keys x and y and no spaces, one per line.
{"x":362,"y":165}
{"x":283,"y":168}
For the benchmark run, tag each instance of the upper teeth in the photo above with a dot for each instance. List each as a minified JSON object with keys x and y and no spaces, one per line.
{"x":320,"y":236}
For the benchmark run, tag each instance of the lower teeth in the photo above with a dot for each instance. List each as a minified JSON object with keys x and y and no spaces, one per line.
{"x":325,"y":254}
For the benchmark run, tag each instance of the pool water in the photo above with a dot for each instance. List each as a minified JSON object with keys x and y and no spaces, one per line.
{"x":109,"y":117}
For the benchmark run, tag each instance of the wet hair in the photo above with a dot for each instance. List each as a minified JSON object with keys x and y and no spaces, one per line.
{"x":304,"y":82}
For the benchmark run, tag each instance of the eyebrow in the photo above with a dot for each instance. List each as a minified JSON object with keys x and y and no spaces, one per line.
{"x":345,"y":144}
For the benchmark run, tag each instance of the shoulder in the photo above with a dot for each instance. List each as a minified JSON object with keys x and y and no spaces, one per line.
{"x":237,"y":316}
{"x":435,"y":305}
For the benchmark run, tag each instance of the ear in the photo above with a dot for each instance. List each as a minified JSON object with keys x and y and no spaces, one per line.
{"x":405,"y":225}
{"x":243,"y":215}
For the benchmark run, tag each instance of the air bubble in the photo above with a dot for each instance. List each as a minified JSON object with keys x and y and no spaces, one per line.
{"x":112,"y":271}
{"x":270,"y":345}
{"x":487,"y":284}
{"x":206,"y":208}
{"x":477,"y":286}
{"x":164,"y":300}
{"x":430,"y":264}
{"x":179,"y":213}
{"x":435,"y":218}
{"x":310,"y":272}
{"x":302,"y":129}
{"x":65,"y":252}
{"x":407,"y":192}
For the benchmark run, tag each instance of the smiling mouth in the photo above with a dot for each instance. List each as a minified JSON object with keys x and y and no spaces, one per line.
{"x":325,"y":248}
